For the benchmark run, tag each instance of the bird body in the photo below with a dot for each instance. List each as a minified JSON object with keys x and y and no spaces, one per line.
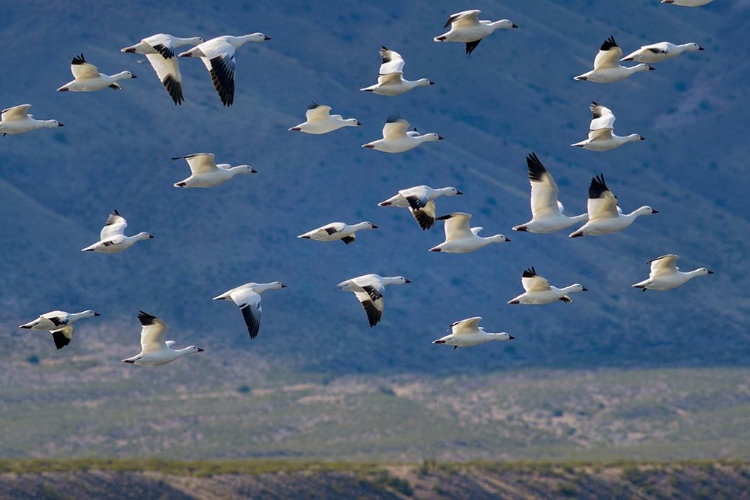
{"x":391,"y":80}
{"x":467,"y":28}
{"x":688,"y":3}
{"x":546,"y":210}
{"x":605,"y":216}
{"x":468,"y":333}
{"x":539,"y":291}
{"x":217,"y":55}
{"x":247,"y":298}
{"x":112,"y":238}
{"x":88,"y":78}
{"x":397,"y":138}
{"x":369,"y":290}
{"x":661,"y":51}
{"x":420,"y":200}
{"x":156,"y":351}
{"x":159,"y":50}
{"x":56,"y":319}
{"x":17,"y":120}
{"x":205,"y":173}
{"x":320,"y":121}
{"x":461,"y":238}
{"x":665,"y":275}
{"x":336,"y":231}
{"x":601,"y":131}
{"x":607,"y":67}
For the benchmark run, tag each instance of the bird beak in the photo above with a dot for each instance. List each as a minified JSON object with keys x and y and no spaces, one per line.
{"x":266,"y":38}
{"x":407,"y":281}
{"x":151,"y":236}
{"x":511,"y":337}
{"x":710,"y":272}
{"x":653,"y":210}
{"x":507,"y":240}
{"x":368,"y":146}
{"x":458,"y":192}
{"x":200,"y":350}
{"x":359,"y":124}
{"x":283,"y":285}
{"x":60,"y":124}
{"x":433,"y":83}
{"x":97,"y":314}
{"x":584,"y":289}
{"x":514,"y":26}
{"x":651,"y":68}
{"x":440,"y":138}
{"x":701,"y":48}
{"x":643,"y":138}
{"x":133,"y":76}
{"x":374,"y":226}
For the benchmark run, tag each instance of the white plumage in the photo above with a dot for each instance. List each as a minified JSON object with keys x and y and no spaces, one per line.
{"x":397,"y":138}
{"x":607,"y":67}
{"x":88,"y":78}
{"x":468,"y":333}
{"x":336,"y":231}
{"x":320,"y":121}
{"x":461,"y":238}
{"x":112,"y":238}
{"x":17,"y":120}
{"x":420,"y":200}
{"x":539,"y":291}
{"x":155,"y":350}
{"x":369,"y":290}
{"x":247,"y":298}
{"x":657,"y":52}
{"x":665,"y":275}
{"x":391,"y":80}
{"x":467,"y":28}
{"x":601,"y":131}
{"x":205,"y":173}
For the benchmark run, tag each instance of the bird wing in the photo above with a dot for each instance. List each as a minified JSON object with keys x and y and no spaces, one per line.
{"x":249,"y":303}
{"x":115,"y":226}
{"x":601,"y":134}
{"x":390,"y":61}
{"x":82,"y":70}
{"x":532,"y":282}
{"x":219,"y":62}
{"x":666,"y":264}
{"x":465,"y":18}
{"x":390,"y":78}
{"x":425,"y":216}
{"x":609,"y":55}
{"x":371,"y":299}
{"x":167,"y":69}
{"x":601,"y":117}
{"x":153,"y":331}
{"x":466,"y":326}
{"x":318,"y":113}
{"x":602,"y":203}
{"x":395,"y":128}
{"x":201,"y":163}
{"x":20,"y":112}
{"x":457,"y":227}
{"x":62,"y":336}
{"x":544,"y":190}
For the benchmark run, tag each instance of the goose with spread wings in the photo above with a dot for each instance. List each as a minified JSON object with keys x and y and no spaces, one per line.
{"x":397,"y":138}
{"x":88,"y":78}
{"x":159,"y":50}
{"x":217,"y":55}
{"x":112,"y":238}
{"x":539,"y":291}
{"x":391,"y":80}
{"x":605,"y":216}
{"x":420,"y":200}
{"x":661,"y":51}
{"x":247,"y":298}
{"x":17,"y":120}
{"x":319,"y":120}
{"x":601,"y":131}
{"x":546,"y":211}
{"x":337,"y":231}
{"x":607,"y":67}
{"x":369,"y":290}
{"x":155,"y":350}
{"x":468,"y":333}
{"x":467,"y":28}
{"x":460,"y":237}
{"x":205,"y":173}
{"x":665,"y":275}
{"x":59,"y":324}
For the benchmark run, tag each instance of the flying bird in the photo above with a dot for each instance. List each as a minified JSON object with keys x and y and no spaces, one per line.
{"x":607,"y":67}
{"x":665,"y":275}
{"x":391,"y":80}
{"x":337,"y":231}
{"x":112,"y":238}
{"x":420,"y":200}
{"x":369,"y":290}
{"x":601,"y":131}
{"x":205,"y":173}
{"x":468,"y":333}
{"x":661,"y":51}
{"x":320,"y":121}
{"x":461,"y":238}
{"x":397,"y":138}
{"x":155,"y":350}
{"x":88,"y":78}
{"x":467,"y":28}
{"x":159,"y":50}
{"x":539,"y":291}
{"x":17,"y":120}
{"x":247,"y":298}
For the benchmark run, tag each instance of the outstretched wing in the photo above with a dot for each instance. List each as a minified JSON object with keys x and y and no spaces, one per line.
{"x":390,"y":61}
{"x":457,"y":226}
{"x":20,"y":112}
{"x":167,"y":68}
{"x":609,"y":55}
{"x":463,"y":19}
{"x":62,"y":336}
{"x":602,"y":203}
{"x":82,"y":70}
{"x":395,"y":128}
{"x":466,"y":326}
{"x":532,"y":282}
{"x":318,"y":113}
{"x":219,"y":62}
{"x":544,"y":190}
{"x":153,"y":331}
{"x":249,"y":303}
{"x":200,"y":163}
{"x":114,"y":226}
{"x":666,"y":264}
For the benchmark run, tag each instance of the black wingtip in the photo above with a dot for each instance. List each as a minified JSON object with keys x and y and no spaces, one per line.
{"x":146,"y":318}
{"x":78,"y":60}
{"x":598,"y":187}
{"x":608,"y":43}
{"x":312,"y":105}
{"x":536,"y":167}
{"x":393,"y":118}
{"x":529,"y":273}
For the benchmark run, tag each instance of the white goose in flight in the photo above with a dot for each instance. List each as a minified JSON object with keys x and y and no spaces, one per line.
{"x":665,"y":275}
{"x":601,"y":131}
{"x":112,"y":238}
{"x":17,"y":120}
{"x":467,"y":28}
{"x":155,"y":350}
{"x":247,"y":298}
{"x":539,"y":291}
{"x":468,"y":333}
{"x":607,"y":67}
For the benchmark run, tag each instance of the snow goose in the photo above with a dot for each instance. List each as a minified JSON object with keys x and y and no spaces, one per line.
{"x":159,"y":50}
{"x":420,"y":200}
{"x":467,"y":28}
{"x":155,"y":350}
{"x":56,"y":319}
{"x":661,"y":51}
{"x":665,"y":275}
{"x":205,"y":173}
{"x":605,"y":216}
{"x":391,"y":76}
{"x":337,"y":231}
{"x":112,"y":238}
{"x":601,"y":134}
{"x":247,"y":298}
{"x":320,"y":121}
{"x":546,"y":210}
{"x":369,"y":290}
{"x":397,"y":138}
{"x":17,"y":120}
{"x":607,"y":67}
{"x":460,"y":238}
{"x":468,"y":333}
{"x":88,"y":78}
{"x":688,"y":3}
{"x":217,"y":55}
{"x":539,"y":291}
